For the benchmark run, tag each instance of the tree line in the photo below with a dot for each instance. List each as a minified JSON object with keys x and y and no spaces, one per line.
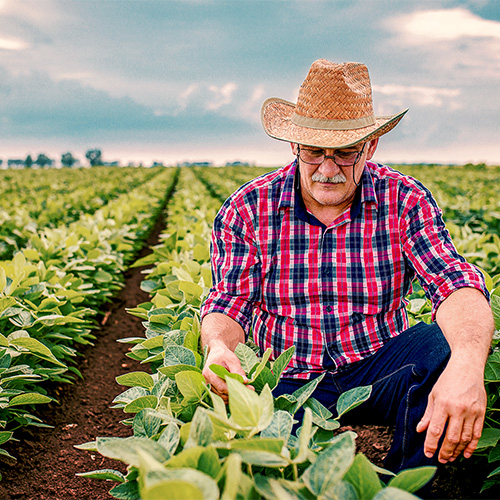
{"x":94,"y":157}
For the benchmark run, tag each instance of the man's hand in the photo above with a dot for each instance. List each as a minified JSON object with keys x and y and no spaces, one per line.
{"x":221,"y":335}
{"x":459,"y":400}
{"x":220,"y":354}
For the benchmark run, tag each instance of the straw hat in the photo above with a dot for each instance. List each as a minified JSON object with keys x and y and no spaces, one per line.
{"x":334,"y":109}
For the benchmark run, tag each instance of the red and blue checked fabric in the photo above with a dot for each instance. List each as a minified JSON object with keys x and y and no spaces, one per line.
{"x":337,"y":293}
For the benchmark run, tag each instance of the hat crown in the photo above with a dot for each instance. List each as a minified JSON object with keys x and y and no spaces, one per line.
{"x":333,"y":91}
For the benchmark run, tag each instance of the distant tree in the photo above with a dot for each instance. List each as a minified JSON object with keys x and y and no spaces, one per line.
{"x":43,"y":160}
{"x":94,"y":156}
{"x":28,"y":163}
{"x":68,"y":160}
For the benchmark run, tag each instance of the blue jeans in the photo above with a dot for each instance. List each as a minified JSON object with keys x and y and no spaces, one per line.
{"x":402,"y":374}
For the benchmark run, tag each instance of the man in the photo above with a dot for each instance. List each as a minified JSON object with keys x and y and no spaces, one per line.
{"x":321,"y":254}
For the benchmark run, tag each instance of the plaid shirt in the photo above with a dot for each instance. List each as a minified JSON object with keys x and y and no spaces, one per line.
{"x":337,"y":293}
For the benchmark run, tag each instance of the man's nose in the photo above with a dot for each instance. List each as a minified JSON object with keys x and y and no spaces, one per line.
{"x":329,"y":167}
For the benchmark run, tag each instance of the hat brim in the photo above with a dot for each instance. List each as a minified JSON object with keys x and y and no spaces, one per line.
{"x":276,"y":117}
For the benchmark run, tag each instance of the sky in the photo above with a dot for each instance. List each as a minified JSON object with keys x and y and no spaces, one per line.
{"x":174,"y":81}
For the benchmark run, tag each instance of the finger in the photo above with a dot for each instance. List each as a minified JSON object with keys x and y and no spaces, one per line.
{"x":465,"y":439}
{"x":424,"y":422}
{"x":216,"y":383}
{"x":435,"y":430}
{"x":478,"y":429}
{"x":458,"y":437}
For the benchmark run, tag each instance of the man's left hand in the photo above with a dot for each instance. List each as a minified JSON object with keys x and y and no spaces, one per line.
{"x":459,"y":400}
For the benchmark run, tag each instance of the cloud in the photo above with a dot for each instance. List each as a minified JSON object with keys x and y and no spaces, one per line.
{"x":446,"y":45}
{"x":12,"y":44}
{"x":222,"y":96}
{"x":407,"y":95}
{"x":449,"y":24}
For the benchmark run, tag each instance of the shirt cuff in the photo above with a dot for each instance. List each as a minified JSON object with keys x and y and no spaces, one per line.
{"x":465,"y":280}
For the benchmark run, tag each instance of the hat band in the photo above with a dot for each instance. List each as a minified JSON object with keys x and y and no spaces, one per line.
{"x":318,"y":123}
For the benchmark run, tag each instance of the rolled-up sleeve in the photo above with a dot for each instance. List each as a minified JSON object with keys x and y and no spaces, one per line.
{"x":236,"y":266}
{"x":427,"y":244}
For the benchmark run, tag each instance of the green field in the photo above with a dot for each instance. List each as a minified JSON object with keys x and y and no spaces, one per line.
{"x":67,"y":236}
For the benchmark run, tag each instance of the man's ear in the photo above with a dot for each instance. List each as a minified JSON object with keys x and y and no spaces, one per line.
{"x":372,"y":146}
{"x":294,"y":148}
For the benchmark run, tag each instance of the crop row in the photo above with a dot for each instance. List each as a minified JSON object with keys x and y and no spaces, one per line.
{"x":186,"y":443}
{"x":52,"y":290}
{"x":31,"y":200}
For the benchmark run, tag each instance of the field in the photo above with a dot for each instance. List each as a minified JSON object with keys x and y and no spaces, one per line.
{"x":102,"y":273}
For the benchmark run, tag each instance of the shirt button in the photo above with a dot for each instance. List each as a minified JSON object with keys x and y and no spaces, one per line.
{"x":329,"y":309}
{"x":326,"y":271}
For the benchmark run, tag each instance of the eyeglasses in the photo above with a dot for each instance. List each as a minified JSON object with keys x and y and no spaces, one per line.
{"x":340,"y":158}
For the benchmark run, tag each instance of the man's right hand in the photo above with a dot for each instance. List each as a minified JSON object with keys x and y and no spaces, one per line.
{"x":220,"y":354}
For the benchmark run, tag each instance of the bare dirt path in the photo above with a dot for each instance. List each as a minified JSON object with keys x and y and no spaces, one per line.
{"x":47,"y":460}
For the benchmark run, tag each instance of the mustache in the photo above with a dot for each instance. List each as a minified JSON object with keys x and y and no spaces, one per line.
{"x":336,"y":179}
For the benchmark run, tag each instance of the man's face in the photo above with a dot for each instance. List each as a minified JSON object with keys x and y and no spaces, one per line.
{"x":327,"y":184}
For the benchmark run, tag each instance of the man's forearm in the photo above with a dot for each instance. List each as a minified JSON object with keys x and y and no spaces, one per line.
{"x":218,"y":328}
{"x":466,"y":320}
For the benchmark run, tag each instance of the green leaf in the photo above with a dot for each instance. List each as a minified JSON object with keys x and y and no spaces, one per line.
{"x":342,"y":491}
{"x":248,"y":409}
{"x":140,"y":403}
{"x":29,"y":398}
{"x":170,"y":438}
{"x":321,"y":415}
{"x":495,"y":307}
{"x":304,"y":438}
{"x":192,"y":385}
{"x":146,"y":424}
{"x":262,"y":458}
{"x":331,"y":464}
{"x":232,"y":475}
{"x":201,"y":432}
{"x":5,"y":436}
{"x":302,"y":394}
{"x":390,"y":493}
{"x":178,"y":355}
{"x":173,"y":489}
{"x":489,"y":437}
{"x":247,"y":357}
{"x":351,"y":399}
{"x":108,"y":474}
{"x":191,"y":290}
{"x":171,"y":371}
{"x":262,"y":363}
{"x":280,"y":427}
{"x":198,"y":457}
{"x":223,"y":372}
{"x":37,"y":348}
{"x":412,"y":479}
{"x":126,"y":449}
{"x":281,"y":362}
{"x":160,"y":482}
{"x":126,"y":491}
{"x":492,"y":368}
{"x":363,"y":478}
{"x":272,"y":445}
{"x":141,"y":379}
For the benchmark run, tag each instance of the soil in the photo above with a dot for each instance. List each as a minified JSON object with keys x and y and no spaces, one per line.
{"x":48,"y":461}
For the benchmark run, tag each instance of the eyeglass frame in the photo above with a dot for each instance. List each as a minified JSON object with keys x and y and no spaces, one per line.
{"x":332,"y":157}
